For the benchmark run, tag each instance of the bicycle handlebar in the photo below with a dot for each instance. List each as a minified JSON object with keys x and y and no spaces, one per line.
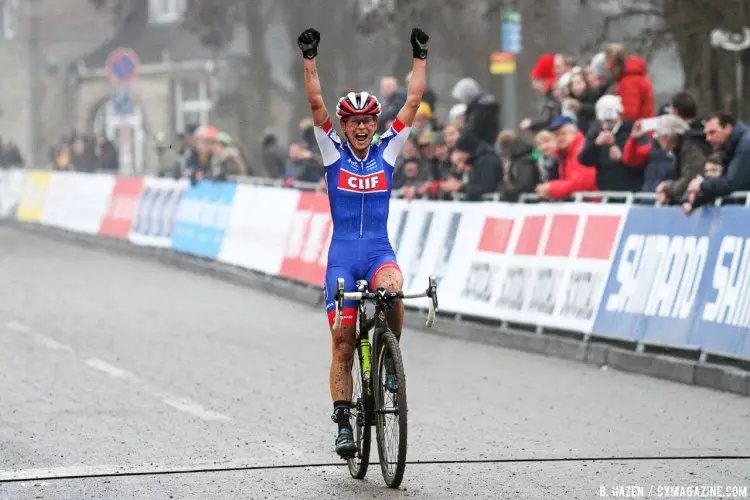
{"x":381,"y":294}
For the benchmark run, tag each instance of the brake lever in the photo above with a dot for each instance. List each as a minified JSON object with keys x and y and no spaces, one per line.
{"x":432,"y":292}
{"x":340,"y":293}
{"x":339,"y":300}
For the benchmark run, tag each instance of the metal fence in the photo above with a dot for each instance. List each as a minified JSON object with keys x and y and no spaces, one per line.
{"x":644,"y":198}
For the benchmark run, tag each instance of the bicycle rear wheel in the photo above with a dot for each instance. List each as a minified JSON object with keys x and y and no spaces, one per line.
{"x":362,"y":430}
{"x":390,"y":412}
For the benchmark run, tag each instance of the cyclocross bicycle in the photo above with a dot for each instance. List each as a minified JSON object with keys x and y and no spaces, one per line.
{"x":378,"y":380}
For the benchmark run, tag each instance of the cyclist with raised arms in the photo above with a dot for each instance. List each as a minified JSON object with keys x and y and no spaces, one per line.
{"x":358,"y":176}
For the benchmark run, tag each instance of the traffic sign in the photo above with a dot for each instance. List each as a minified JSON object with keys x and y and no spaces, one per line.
{"x":511,"y":32}
{"x":122,"y":66}
{"x":502,"y":63}
{"x":123,"y":100}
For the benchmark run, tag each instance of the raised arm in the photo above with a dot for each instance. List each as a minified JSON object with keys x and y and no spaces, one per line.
{"x":308,"y":43}
{"x":418,"y":79}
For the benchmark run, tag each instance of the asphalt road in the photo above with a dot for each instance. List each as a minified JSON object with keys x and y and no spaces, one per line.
{"x":112,"y":365}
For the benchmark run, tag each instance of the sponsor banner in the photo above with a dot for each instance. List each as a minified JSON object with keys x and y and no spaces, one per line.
{"x":423,"y":236}
{"x":121,"y":207}
{"x":306,"y":247}
{"x":260,"y":222}
{"x":31,"y":207}
{"x":682,"y":280}
{"x":203,"y":216}
{"x":60,"y":195}
{"x":12,"y":182}
{"x":398,"y":216}
{"x":537,"y":264}
{"x":77,"y":201}
{"x":157,"y":206}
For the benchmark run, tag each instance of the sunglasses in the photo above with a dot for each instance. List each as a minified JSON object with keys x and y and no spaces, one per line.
{"x":366,"y":120}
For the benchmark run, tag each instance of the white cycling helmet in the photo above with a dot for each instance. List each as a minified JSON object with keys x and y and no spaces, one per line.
{"x":357,"y":104}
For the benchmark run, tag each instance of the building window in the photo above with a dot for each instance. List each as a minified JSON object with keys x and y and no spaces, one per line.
{"x":9,"y":14}
{"x":166,"y":11}
{"x":192,"y":103}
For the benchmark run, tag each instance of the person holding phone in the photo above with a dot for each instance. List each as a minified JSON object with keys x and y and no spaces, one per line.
{"x":656,"y":156}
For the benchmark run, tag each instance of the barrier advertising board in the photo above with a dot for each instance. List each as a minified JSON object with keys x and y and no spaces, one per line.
{"x":306,"y":248}
{"x":12,"y":183}
{"x":202,"y":218}
{"x":682,"y":280}
{"x":154,"y":217}
{"x":649,"y":274}
{"x":31,"y":207}
{"x":122,"y":207}
{"x":260,"y":222}
{"x":77,"y":201}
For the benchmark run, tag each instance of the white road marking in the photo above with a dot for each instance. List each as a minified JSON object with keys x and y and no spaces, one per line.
{"x":51,"y":343}
{"x":110,"y":370}
{"x":17,"y":327}
{"x":48,"y":342}
{"x":193,"y":408}
{"x":182,"y":404}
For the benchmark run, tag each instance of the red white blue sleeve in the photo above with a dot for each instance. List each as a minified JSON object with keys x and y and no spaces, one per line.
{"x":329,"y":143}
{"x":393,"y":141}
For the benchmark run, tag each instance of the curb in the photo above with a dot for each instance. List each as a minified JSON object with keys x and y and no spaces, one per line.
{"x":709,"y":375}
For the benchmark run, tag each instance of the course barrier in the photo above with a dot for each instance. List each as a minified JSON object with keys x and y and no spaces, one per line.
{"x":622,"y":271}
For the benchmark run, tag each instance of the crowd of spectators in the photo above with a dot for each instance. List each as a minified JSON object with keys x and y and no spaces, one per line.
{"x":598,"y":129}
{"x":83,"y":153}
{"x":203,"y":152}
{"x":10,"y":155}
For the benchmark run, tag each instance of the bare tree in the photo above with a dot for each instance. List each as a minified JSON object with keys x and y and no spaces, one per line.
{"x":686,"y":25}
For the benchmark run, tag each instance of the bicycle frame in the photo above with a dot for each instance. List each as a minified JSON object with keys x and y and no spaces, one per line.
{"x":363,"y":345}
{"x":382,"y":300}
{"x":369,"y":403}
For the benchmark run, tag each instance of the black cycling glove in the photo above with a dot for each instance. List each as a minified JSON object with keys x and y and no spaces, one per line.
{"x":308,"y":43}
{"x":419,"y":43}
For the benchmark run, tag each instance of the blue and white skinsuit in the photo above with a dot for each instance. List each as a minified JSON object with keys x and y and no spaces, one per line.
{"x":359,"y":193}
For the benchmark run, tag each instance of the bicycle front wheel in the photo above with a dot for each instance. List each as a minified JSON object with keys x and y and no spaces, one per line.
{"x":362,"y":430}
{"x":390,"y":410}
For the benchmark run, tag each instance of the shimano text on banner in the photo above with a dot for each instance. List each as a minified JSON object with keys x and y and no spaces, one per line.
{"x":682,"y":280}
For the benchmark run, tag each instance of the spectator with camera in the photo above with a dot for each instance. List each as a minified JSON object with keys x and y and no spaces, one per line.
{"x":657,"y":156}
{"x":604,"y":148}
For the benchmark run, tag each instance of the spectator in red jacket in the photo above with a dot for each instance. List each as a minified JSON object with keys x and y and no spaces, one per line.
{"x":573,"y":177}
{"x":633,"y":83}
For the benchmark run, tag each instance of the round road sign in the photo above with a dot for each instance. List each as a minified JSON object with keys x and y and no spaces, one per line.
{"x":122,"y":66}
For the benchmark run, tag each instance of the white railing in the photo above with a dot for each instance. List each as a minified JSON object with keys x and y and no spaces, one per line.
{"x":628,"y":198}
